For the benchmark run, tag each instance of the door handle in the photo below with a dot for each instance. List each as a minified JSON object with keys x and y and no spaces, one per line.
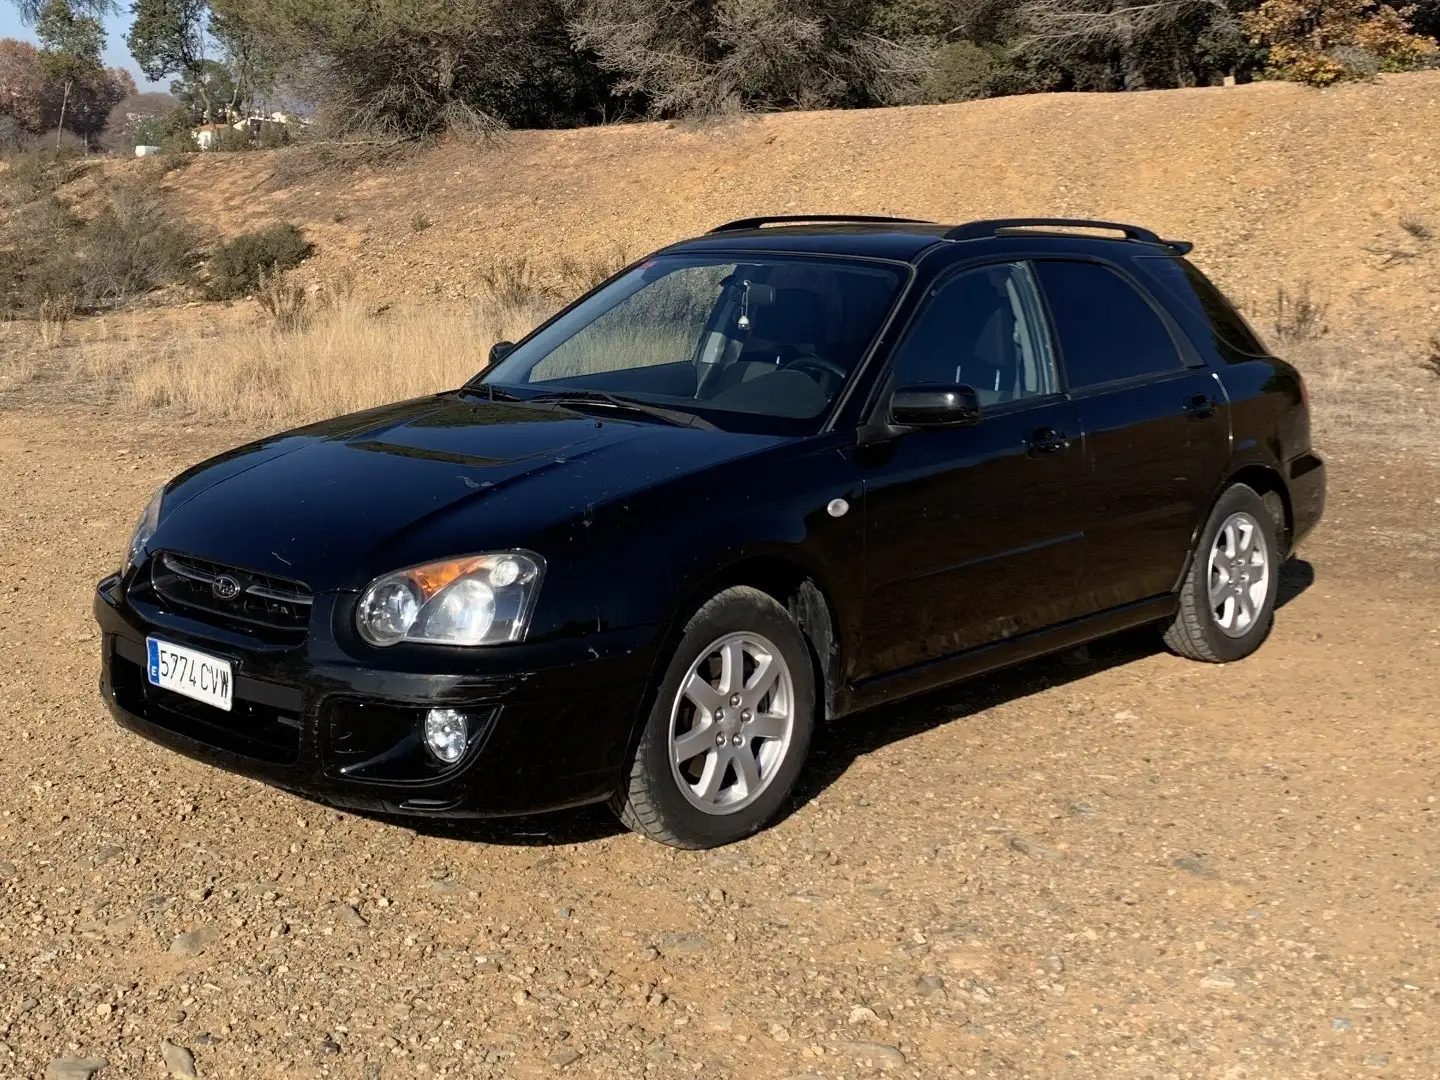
{"x":1201,"y":406}
{"x":1047,"y":440}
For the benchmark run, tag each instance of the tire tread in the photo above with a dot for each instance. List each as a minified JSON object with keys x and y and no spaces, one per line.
{"x":1189,"y":633}
{"x":636,"y":803}
{"x":1186,"y":634}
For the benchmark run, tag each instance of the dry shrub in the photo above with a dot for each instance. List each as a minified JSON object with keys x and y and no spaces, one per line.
{"x":1299,"y":316}
{"x":286,"y":303}
{"x":238,"y":266}
{"x":1431,"y":362}
{"x":514,"y":282}
{"x":40,"y":168}
{"x":519,"y":281}
{"x":340,"y":359}
{"x":55,"y":314}
{"x":310,"y":162}
{"x":580,"y":273}
{"x":133,"y":245}
{"x":1323,"y":41}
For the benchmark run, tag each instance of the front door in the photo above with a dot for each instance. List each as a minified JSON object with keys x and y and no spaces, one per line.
{"x":973,"y":534}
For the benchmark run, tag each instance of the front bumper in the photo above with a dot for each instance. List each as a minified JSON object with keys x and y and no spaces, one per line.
{"x":314,"y":722}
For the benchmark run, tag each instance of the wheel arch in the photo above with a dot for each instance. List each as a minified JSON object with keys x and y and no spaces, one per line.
{"x":1267,"y":481}
{"x":792,"y":585}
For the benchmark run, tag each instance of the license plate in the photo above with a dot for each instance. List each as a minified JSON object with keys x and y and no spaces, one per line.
{"x":194,"y":674}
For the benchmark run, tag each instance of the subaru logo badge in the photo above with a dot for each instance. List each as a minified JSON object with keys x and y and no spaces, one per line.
{"x":225,"y":587}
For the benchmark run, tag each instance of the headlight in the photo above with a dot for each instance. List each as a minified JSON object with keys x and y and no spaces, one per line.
{"x":475,"y":600}
{"x":144,"y":530}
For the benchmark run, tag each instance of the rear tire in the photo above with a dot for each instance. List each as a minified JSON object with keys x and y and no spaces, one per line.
{"x":1227,"y":601}
{"x":729,"y":729}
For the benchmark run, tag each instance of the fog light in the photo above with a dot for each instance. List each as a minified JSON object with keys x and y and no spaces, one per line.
{"x":446,"y":734}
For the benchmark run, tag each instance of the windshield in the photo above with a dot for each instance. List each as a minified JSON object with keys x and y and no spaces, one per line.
{"x":769,"y":336}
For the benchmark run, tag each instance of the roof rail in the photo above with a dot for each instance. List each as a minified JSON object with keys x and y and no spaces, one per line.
{"x":977,"y":230}
{"x":794,"y":219}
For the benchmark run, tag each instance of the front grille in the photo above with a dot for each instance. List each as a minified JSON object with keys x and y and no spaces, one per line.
{"x":251,"y":728}
{"x":240,"y":599}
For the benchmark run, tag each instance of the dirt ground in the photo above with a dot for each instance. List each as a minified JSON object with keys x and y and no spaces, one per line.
{"x":1114,"y":865}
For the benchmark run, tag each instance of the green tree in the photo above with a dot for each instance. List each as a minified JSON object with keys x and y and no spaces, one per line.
{"x":30,"y":10}
{"x":212,"y":84}
{"x":411,"y":68}
{"x":254,"y":53}
{"x":168,"y":38}
{"x":71,"y":47}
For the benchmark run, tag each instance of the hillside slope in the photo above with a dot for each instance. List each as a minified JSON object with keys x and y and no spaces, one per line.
{"x":1279,"y":185}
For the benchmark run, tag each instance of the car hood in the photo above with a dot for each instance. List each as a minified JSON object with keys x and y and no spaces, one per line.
{"x":337,"y":503}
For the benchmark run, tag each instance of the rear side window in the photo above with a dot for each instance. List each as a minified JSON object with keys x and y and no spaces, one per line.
{"x":1210,"y":313}
{"x":1107,"y":330}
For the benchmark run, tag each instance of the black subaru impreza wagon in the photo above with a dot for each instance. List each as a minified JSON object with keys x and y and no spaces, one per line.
{"x":761,"y":479}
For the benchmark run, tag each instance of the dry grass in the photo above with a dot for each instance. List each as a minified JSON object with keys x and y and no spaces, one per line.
{"x":55,"y":315}
{"x":238,"y":365}
{"x":344,"y":358}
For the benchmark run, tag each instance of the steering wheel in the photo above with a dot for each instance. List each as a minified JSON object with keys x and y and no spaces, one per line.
{"x":829,"y":367}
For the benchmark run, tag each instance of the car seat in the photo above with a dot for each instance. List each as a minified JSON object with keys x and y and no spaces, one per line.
{"x":780,"y":332}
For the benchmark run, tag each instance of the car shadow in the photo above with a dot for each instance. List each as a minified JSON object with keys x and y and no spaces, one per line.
{"x":1296,"y":576}
{"x":579,"y":826}
{"x":837,"y":746}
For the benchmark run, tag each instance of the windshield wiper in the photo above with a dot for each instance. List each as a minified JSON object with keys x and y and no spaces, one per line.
{"x":490,"y":392}
{"x":615,"y":401}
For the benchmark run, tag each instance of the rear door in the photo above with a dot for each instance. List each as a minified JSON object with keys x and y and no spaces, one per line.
{"x":1156,"y":429}
{"x":973,"y":534}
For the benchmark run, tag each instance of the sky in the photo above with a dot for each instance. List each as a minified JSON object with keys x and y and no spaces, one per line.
{"x":116,"y":27}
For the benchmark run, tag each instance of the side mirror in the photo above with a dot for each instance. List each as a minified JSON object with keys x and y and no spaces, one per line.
{"x":935,"y":406}
{"x":500,"y":350}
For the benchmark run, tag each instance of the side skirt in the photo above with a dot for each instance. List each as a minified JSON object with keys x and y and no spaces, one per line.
{"x":1000,"y":654}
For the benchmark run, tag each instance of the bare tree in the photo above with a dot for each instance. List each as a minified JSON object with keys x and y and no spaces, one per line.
{"x":1060,"y":29}
{"x":700,"y":57}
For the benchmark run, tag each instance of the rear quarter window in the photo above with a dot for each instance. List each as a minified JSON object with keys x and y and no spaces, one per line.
{"x":1202,"y":308}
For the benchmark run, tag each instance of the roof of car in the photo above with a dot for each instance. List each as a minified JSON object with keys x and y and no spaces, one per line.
{"x":905,"y":240}
{"x":895,"y":241}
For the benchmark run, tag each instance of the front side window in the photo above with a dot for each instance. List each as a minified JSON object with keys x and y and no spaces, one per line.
{"x":770,"y":336}
{"x":1107,"y":331}
{"x":982,"y":329}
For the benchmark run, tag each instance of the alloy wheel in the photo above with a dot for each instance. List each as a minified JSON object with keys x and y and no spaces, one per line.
{"x":1239,"y":575}
{"x":731,"y":723}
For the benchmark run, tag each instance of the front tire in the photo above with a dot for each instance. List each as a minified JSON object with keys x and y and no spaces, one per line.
{"x":1227,"y":601}
{"x":729,"y":729}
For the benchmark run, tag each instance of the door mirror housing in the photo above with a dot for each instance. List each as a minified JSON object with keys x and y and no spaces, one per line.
{"x":500,"y":350}
{"x":935,"y":406}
